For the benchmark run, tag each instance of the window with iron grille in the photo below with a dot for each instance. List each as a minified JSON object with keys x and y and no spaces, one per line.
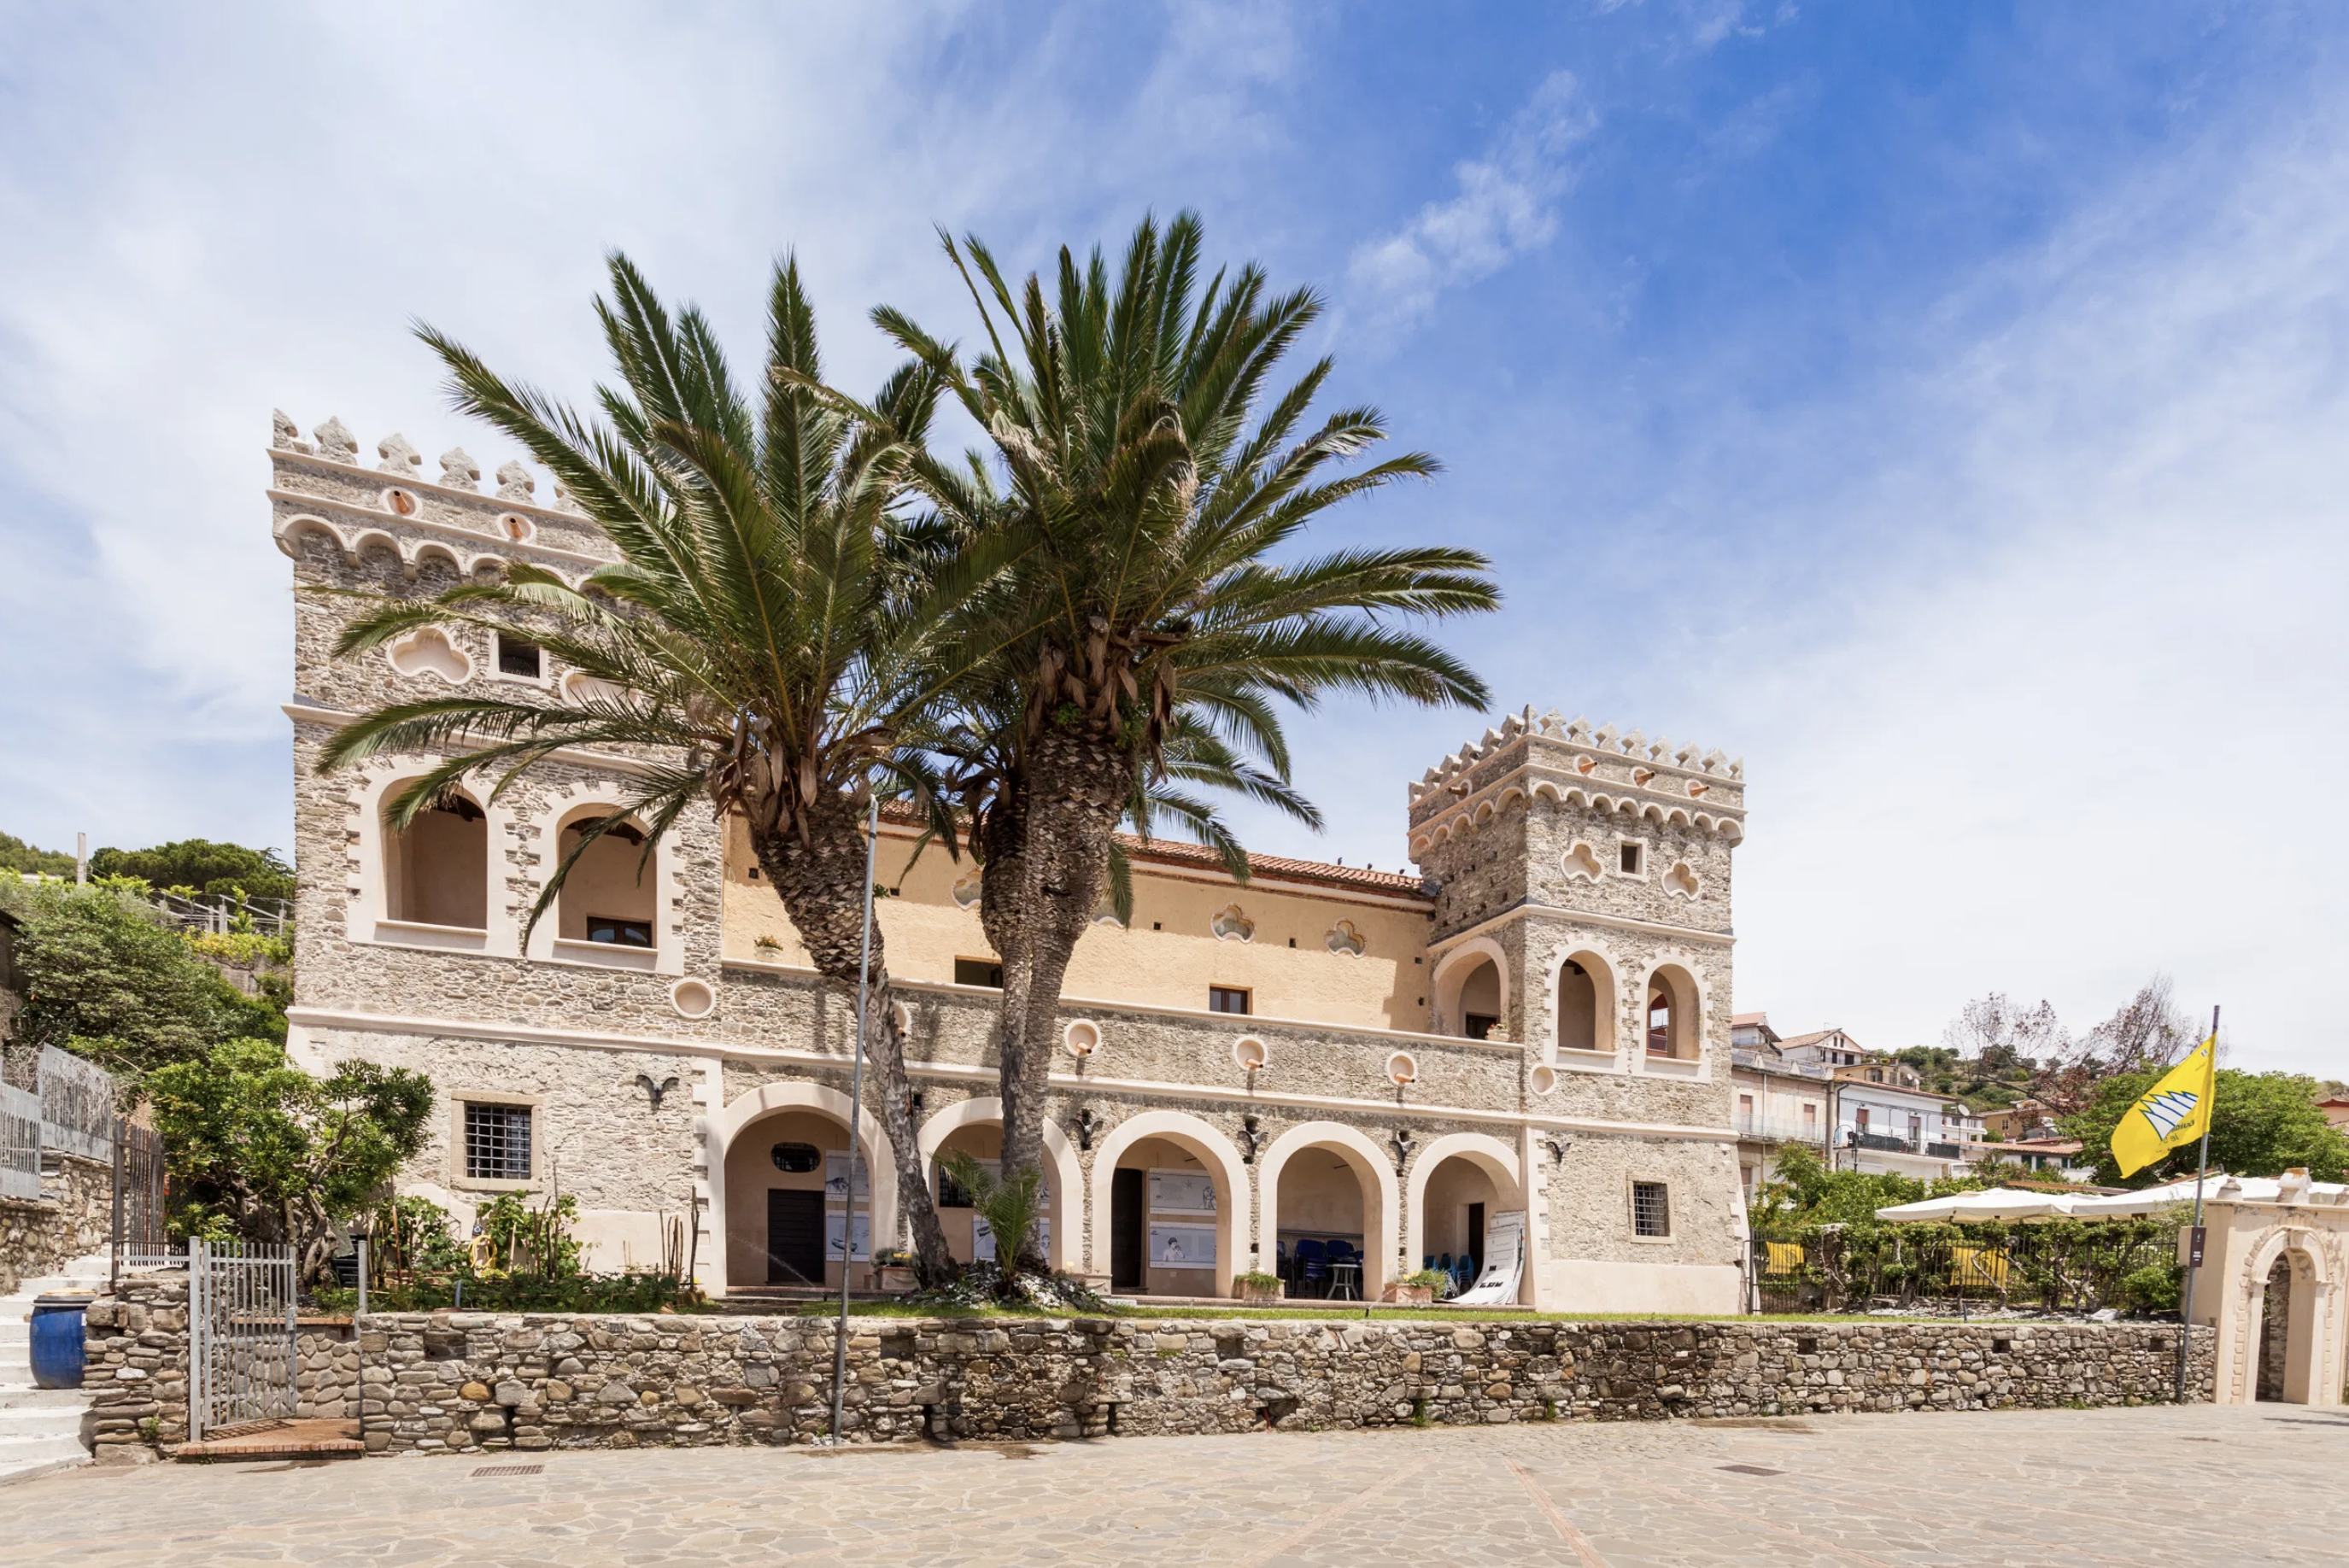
{"x":1651,"y":1209}
{"x":497,"y":1142}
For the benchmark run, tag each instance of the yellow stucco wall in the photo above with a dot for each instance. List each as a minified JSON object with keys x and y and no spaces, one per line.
{"x":1168,"y":959}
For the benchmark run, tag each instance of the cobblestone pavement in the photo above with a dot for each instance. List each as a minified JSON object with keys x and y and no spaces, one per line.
{"x":2086,"y":1487}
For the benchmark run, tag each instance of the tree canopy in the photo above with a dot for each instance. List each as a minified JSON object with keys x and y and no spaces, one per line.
{"x":2263,"y":1125}
{"x":202,"y":865}
{"x":104,"y":976}
{"x":16,"y":855}
{"x":260,"y":1149}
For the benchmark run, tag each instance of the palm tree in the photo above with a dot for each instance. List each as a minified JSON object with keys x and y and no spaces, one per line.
{"x":1149,"y":479}
{"x":763,"y":640}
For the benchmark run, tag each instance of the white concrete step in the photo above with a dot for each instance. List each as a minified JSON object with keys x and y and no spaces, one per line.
{"x":22,"y":1459}
{"x":25,"y":1397}
{"x":37,"y":1425}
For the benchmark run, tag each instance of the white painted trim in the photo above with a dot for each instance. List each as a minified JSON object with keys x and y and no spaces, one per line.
{"x":1067,"y":1174}
{"x":1380,"y":1202}
{"x":720,"y":1130}
{"x":972,"y":1072}
{"x":1213,"y":1149}
{"x":1498,"y":1162}
{"x":607,"y":762}
{"x":378,"y":517}
{"x":1525,"y":907}
{"x":1149,"y":1009}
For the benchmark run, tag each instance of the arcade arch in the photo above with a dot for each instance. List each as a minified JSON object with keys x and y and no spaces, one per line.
{"x":1149,"y":1242}
{"x":1324,"y":1180}
{"x":974,"y":1126}
{"x":1458,"y":1183}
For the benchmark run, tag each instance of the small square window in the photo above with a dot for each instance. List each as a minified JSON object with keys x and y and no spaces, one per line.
{"x":618,"y":931}
{"x":518,"y":657}
{"x":497,"y":1142}
{"x":1631,"y":859}
{"x":979,"y":971}
{"x":1651,"y":1209}
{"x":1227,"y":999}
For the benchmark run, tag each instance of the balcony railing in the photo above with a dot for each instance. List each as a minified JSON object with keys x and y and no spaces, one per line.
{"x":1778,"y":1130}
{"x":1883,"y":1142}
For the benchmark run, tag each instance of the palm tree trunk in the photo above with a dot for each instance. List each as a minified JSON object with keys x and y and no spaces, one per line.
{"x":1047,"y":855}
{"x":819,"y":873}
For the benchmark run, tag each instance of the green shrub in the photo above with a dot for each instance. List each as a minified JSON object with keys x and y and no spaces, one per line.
{"x":2152,"y":1289}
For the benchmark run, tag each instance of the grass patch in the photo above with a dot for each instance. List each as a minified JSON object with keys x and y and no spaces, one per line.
{"x":1339,"y":1313}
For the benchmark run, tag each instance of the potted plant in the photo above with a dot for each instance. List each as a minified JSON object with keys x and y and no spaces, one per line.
{"x":893,"y":1271}
{"x":1256,"y":1289}
{"x":1414,"y":1289}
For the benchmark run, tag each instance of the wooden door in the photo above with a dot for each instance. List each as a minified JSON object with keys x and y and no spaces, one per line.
{"x":795,"y":1237}
{"x":1126,"y":1230}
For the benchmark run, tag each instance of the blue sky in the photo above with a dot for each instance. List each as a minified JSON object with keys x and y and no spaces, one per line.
{"x":1941,"y":408}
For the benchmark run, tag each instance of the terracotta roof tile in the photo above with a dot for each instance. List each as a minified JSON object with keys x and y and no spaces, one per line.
{"x":1168,"y":852}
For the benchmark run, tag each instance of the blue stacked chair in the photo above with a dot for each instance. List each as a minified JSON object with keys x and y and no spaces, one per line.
{"x":1312,"y":1267}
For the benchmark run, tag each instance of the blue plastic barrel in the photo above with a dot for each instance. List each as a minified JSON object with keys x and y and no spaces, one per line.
{"x":58,"y":1357}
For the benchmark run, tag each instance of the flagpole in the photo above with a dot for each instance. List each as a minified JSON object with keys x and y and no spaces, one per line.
{"x":855,"y":1116}
{"x":2193,"y":1256}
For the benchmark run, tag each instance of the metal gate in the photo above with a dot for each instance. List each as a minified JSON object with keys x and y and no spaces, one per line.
{"x":141,"y":1200}
{"x":240,"y":1358}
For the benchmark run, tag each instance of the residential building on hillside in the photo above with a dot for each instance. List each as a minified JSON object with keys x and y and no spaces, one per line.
{"x":2335,"y":1109}
{"x":1777,"y":1103}
{"x":1825,"y":1049}
{"x":2021,"y":1120}
{"x":1536,"y":1023}
{"x":1752,"y":1031}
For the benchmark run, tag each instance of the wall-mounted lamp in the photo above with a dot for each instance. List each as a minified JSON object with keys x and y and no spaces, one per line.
{"x":1250,"y":1140}
{"x":655,"y":1092}
{"x":1086,"y":1124}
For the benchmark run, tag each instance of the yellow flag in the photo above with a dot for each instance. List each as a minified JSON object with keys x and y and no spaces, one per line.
{"x":2173,"y":1111}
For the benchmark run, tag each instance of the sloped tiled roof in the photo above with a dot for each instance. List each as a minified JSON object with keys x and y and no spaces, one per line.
{"x":1169,"y":852}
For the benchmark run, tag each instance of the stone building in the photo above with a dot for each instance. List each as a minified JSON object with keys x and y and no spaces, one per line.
{"x":1537,"y":1021}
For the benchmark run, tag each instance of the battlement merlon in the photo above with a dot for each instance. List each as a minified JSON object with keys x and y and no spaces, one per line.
{"x":1625,"y":771}
{"x":320,"y":487}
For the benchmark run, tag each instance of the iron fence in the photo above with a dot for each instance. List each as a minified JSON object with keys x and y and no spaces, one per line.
{"x":76,"y":1106}
{"x":241,"y":1353}
{"x":221,"y":912}
{"x":20,"y":1144}
{"x":2060,"y":1267}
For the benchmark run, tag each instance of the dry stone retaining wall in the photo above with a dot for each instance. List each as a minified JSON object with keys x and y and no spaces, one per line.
{"x":74,"y":1218}
{"x":475,"y":1382}
{"x":468,"y":1382}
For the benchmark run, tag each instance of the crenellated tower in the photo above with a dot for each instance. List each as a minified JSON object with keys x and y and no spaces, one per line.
{"x":1582,"y":886}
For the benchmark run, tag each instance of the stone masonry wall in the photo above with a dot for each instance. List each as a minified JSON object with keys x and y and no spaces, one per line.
{"x":74,"y":1218}
{"x":471,"y":1382}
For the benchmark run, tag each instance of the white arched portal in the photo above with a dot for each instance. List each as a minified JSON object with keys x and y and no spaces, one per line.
{"x":721,"y":1131}
{"x":1370,"y":1168}
{"x":2314,"y":1354}
{"x":1499,"y":1164}
{"x":1067,"y":1176}
{"x":1213,"y":1151}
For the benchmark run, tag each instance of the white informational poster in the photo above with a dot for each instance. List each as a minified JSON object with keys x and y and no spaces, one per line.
{"x":982,"y":1239}
{"x":835,"y":1178}
{"x":835,"y":1226}
{"x":1181,"y":1192}
{"x":1181,"y":1246}
{"x":1505,"y":1263}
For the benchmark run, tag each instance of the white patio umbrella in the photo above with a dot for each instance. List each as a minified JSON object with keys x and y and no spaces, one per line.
{"x":1996,"y":1204}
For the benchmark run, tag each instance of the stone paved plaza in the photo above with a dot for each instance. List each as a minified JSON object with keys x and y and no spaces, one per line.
{"x":2241,"y":1485}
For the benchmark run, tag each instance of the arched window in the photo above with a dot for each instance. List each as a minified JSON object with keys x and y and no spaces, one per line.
{"x":1578,"y":1008}
{"x":437,"y":872}
{"x":1480,"y":1001}
{"x":608,"y":900}
{"x":1672,"y":1015}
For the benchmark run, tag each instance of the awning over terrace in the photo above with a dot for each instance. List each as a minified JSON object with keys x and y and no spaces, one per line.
{"x":1995,"y":1204}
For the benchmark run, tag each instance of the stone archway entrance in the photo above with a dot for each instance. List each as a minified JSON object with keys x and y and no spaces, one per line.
{"x":2274,"y":1272}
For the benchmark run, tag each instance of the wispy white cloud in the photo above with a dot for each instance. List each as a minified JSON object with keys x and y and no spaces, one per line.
{"x":1507,"y":205}
{"x":2081,"y":726}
